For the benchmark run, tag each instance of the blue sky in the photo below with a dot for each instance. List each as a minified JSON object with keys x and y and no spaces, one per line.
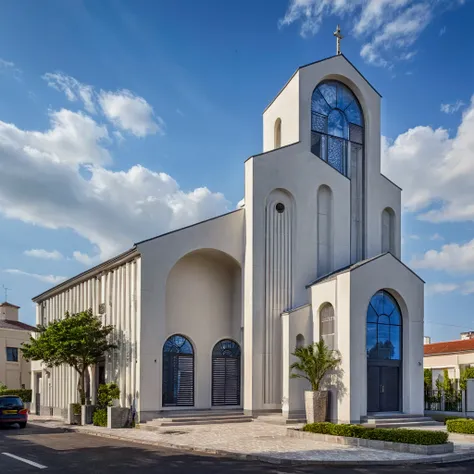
{"x":120,"y":120}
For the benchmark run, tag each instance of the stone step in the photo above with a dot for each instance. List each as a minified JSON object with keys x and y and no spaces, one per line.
{"x":199,"y":413}
{"x":416,"y":424}
{"x":280,"y":420}
{"x":396,"y":420}
{"x":157,"y":424}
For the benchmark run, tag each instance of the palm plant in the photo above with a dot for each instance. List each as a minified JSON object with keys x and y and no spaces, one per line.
{"x":314,"y":362}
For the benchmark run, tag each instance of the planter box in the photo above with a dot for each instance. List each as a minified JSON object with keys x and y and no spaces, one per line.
{"x":86,"y":414}
{"x":117,"y":417}
{"x":374,"y":444}
{"x":316,"y":405}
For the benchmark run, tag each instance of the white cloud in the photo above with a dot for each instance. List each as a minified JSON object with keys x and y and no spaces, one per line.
{"x":442,"y":31}
{"x":388,"y":27}
{"x":434,"y":170}
{"x":56,"y":179}
{"x":452,"y":258}
{"x":452,"y":108}
{"x":73,"y":89}
{"x":414,"y":237}
{"x":86,"y":259}
{"x":123,"y":108}
{"x":436,"y":236}
{"x":44,"y":254}
{"x":468,"y":288}
{"x":441,"y":288}
{"x":53,"y":279}
{"x":130,"y":112}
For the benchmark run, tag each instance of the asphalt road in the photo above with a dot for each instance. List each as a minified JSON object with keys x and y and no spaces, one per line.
{"x":55,"y":450}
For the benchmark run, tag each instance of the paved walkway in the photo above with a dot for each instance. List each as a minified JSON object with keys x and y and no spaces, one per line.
{"x":263,"y":441}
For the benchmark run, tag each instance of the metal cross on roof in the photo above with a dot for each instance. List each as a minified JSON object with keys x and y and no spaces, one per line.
{"x":339,"y":37}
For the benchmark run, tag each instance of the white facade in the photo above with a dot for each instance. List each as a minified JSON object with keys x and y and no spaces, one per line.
{"x":309,"y":236}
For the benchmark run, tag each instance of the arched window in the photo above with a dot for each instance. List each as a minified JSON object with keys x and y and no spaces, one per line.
{"x":299,"y":341}
{"x":388,"y":230}
{"x":327,"y":325}
{"x":324,"y":223}
{"x":178,"y":372}
{"x":337,"y":137}
{"x":337,"y":125}
{"x":384,"y":328}
{"x":226,"y":373}
{"x":277,"y":133}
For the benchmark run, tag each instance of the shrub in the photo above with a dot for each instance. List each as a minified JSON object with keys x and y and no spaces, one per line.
{"x":100,"y":417}
{"x":396,"y":435}
{"x":461,"y":425}
{"x":467,"y":373}
{"x":24,"y":394}
{"x":106,"y":394}
{"x":76,"y":408}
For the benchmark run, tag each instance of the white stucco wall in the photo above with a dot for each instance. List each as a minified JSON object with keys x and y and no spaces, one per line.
{"x":203,"y":302}
{"x":285,"y":107}
{"x":295,"y":323}
{"x":159,"y":257}
{"x":118,"y":286}
{"x":452,"y":362}
{"x":387,"y":273}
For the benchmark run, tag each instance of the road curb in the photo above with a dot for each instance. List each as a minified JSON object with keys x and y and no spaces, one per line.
{"x":444,"y":459}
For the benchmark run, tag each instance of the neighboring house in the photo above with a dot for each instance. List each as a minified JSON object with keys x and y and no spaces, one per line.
{"x":207,"y":316}
{"x":14,"y":370}
{"x":451,"y":355}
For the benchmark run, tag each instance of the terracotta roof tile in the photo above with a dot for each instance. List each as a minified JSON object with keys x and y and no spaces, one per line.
{"x":448,"y":347}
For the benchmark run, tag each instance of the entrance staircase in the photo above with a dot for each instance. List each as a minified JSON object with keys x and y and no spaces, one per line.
{"x":190,"y":418}
{"x":399,"y":420}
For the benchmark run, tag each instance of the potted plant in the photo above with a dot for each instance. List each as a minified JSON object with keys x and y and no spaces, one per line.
{"x":314,"y":363}
{"x":76,"y":413}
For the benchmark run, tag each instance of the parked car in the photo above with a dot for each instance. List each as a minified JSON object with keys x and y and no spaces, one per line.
{"x":13,"y":410}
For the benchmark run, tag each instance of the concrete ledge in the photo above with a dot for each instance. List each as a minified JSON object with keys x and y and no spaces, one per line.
{"x":426,"y":450}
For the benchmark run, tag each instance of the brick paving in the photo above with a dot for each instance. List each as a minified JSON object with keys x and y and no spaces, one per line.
{"x":258,"y":439}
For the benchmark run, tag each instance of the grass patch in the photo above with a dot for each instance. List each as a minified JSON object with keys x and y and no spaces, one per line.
{"x":395,"y":435}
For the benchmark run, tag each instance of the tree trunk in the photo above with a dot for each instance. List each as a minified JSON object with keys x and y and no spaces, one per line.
{"x":81,"y":385}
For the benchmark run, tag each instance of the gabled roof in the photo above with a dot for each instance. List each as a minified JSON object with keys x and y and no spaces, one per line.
{"x":6,"y":303}
{"x":449,"y":347}
{"x":320,"y":61}
{"x":354,"y":266}
{"x":9,"y":324}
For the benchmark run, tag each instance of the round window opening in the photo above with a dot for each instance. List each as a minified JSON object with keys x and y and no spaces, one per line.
{"x":280,"y":207}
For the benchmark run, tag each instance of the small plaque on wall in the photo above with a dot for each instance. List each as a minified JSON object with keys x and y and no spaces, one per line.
{"x":102,"y":308}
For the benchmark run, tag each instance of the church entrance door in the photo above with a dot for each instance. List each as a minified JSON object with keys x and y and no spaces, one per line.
{"x":384,"y":354}
{"x":383,"y":388}
{"x":226,"y":373}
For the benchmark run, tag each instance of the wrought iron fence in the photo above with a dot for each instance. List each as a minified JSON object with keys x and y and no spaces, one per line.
{"x":440,"y":400}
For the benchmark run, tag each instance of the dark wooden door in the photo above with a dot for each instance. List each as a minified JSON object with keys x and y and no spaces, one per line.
{"x":389,"y":389}
{"x":373,"y":388}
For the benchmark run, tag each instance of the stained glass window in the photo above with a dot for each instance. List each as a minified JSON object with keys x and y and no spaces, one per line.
{"x":337,"y":118}
{"x":384,"y":328}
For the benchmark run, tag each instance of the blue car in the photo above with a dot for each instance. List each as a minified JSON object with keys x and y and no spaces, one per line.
{"x":12,"y":410}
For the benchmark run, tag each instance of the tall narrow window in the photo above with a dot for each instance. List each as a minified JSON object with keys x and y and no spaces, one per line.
{"x":277,"y":133}
{"x":324,"y":224}
{"x":388,"y":230}
{"x":337,"y":137}
{"x":327,"y":326}
{"x":178,"y":372}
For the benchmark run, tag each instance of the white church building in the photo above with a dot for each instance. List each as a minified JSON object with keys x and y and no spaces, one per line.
{"x":207,"y":316}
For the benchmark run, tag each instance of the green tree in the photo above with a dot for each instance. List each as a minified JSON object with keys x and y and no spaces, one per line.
{"x":447,"y":382}
{"x":79,"y":340}
{"x":467,"y":373}
{"x":428,"y":377}
{"x":315,"y":361}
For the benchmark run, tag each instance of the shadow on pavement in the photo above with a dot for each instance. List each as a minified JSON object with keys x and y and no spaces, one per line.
{"x":60,"y":449}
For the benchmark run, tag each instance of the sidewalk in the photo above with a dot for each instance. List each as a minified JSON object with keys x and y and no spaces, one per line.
{"x":261,"y":441}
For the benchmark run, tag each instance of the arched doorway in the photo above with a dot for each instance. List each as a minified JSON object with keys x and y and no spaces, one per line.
{"x":226,"y":373}
{"x":178,"y":372}
{"x":384,"y":354}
